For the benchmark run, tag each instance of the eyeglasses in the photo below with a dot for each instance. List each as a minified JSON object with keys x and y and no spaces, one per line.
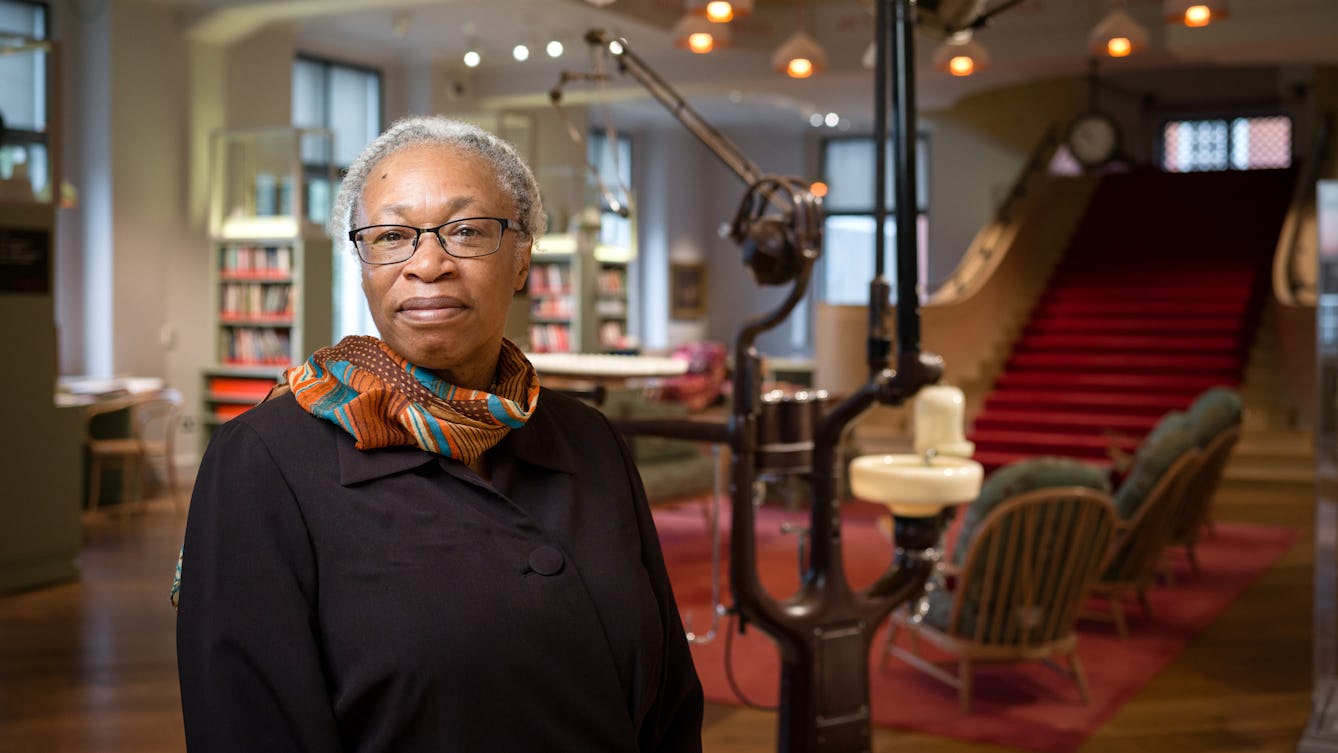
{"x":465,"y":239}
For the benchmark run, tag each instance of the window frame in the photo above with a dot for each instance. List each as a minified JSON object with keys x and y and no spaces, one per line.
{"x":1226,"y":115}
{"x":29,"y":138}
{"x":923,"y":152}
{"x":351,"y":315}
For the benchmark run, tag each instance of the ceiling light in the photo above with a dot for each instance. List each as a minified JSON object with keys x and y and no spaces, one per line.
{"x":815,"y":119}
{"x":831,"y":120}
{"x":961,"y":58}
{"x":1117,"y":35}
{"x":554,"y":49}
{"x":695,"y":33}
{"x":724,"y":11}
{"x":1195,"y":13}
{"x":520,"y":52}
{"x":800,"y":56}
{"x":472,"y":58}
{"x":719,"y":11}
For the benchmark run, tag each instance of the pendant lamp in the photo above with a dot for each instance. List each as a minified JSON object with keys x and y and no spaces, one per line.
{"x":1117,"y":35}
{"x":1195,"y":13}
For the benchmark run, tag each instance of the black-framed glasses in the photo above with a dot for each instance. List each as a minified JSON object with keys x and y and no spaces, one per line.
{"x":468,"y":238}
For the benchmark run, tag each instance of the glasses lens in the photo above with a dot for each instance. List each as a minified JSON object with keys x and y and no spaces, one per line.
{"x":479,"y":236}
{"x":385,"y":244}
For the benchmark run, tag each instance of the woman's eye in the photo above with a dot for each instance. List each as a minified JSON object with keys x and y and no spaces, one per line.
{"x":395,"y":235}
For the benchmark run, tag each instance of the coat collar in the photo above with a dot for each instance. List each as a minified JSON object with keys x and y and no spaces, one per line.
{"x":539,"y":442}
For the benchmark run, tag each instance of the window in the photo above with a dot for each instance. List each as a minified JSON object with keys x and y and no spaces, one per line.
{"x":613,"y":163}
{"x":1232,"y":143}
{"x":23,"y":94}
{"x":848,"y":227}
{"x":346,"y":100}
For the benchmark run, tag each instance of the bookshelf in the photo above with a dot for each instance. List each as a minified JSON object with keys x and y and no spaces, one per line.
{"x":271,"y":267}
{"x":611,"y":303}
{"x":579,"y":297}
{"x":555,"y":299}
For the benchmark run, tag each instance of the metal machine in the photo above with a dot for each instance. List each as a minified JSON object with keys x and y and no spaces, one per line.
{"x":823,"y":631}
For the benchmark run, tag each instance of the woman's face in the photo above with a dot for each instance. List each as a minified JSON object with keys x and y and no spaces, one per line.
{"x":440,"y":312}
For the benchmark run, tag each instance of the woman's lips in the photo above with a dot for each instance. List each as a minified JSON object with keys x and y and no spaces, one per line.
{"x":431,"y":309}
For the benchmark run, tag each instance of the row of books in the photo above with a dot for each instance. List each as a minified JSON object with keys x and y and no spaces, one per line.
{"x":549,"y":279}
{"x":552,"y":307}
{"x":612,"y":281}
{"x":613,"y":336}
{"x":256,"y":300}
{"x":550,"y":338}
{"x":255,"y":346}
{"x":257,"y":260}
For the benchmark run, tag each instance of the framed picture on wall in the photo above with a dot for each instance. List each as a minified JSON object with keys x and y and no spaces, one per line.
{"x":687,"y":290}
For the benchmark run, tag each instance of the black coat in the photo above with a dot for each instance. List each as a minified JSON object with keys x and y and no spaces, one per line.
{"x":391,"y":600}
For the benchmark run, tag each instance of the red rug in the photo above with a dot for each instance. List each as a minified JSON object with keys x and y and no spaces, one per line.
{"x":1019,"y":705}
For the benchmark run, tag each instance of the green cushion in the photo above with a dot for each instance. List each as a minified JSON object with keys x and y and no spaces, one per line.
{"x":1214,"y":410}
{"x":692,"y":476}
{"x":1024,"y":476}
{"x":1167,"y":441}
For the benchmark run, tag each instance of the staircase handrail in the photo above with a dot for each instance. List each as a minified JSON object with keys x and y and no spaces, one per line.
{"x":981,"y":257}
{"x":1289,"y":288}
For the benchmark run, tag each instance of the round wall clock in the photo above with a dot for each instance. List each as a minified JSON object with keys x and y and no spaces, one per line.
{"x":1093,"y":138}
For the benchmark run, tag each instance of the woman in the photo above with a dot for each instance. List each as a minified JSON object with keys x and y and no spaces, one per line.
{"x":416,"y":547}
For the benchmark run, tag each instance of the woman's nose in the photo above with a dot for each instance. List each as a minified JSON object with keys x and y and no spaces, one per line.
{"x":430,"y":260}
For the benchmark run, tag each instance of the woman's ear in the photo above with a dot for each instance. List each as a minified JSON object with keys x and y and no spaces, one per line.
{"x":522,"y":267}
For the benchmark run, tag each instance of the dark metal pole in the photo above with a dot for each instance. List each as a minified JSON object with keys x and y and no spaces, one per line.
{"x":880,"y":143}
{"x":902,"y":44}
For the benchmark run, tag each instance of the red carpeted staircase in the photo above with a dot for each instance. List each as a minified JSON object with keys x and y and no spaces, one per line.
{"x":1155,"y":300}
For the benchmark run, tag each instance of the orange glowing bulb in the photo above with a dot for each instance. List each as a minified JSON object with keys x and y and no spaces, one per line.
{"x":1198,"y":15}
{"x":799,"y":68}
{"x":818,"y":189}
{"x":1119,"y":47}
{"x":701,"y":42}
{"x":961,"y":65}
{"x":719,"y":12}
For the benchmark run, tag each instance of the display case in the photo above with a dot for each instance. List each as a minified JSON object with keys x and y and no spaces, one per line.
{"x":1321,"y":734}
{"x":271,"y":265}
{"x":580,"y":296}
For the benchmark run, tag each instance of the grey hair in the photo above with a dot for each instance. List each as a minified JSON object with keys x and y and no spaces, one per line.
{"x":513,"y":175}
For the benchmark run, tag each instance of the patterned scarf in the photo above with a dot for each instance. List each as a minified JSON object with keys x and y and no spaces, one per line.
{"x":374,"y":394}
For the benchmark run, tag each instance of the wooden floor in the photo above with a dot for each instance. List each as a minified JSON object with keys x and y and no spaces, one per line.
{"x":89,"y":666}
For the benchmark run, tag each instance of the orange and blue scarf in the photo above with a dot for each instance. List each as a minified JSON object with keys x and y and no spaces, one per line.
{"x":374,"y":394}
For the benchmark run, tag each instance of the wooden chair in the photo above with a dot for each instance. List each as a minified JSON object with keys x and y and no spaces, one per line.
{"x":1017,"y":595}
{"x":1215,"y":420}
{"x":1140,"y":543}
{"x":150,"y":437}
{"x":1194,"y":513}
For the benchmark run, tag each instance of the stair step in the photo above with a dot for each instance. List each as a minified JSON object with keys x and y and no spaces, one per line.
{"x":1221,"y":366}
{"x":1178,"y":308}
{"x":1144,"y":291}
{"x":1122,"y":423}
{"x":1096,"y":325}
{"x":1189,"y":385}
{"x":1068,"y":343}
{"x":1033,"y":400}
{"x":1084,"y":445}
{"x":1264,"y":443}
{"x":1265,"y":473}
